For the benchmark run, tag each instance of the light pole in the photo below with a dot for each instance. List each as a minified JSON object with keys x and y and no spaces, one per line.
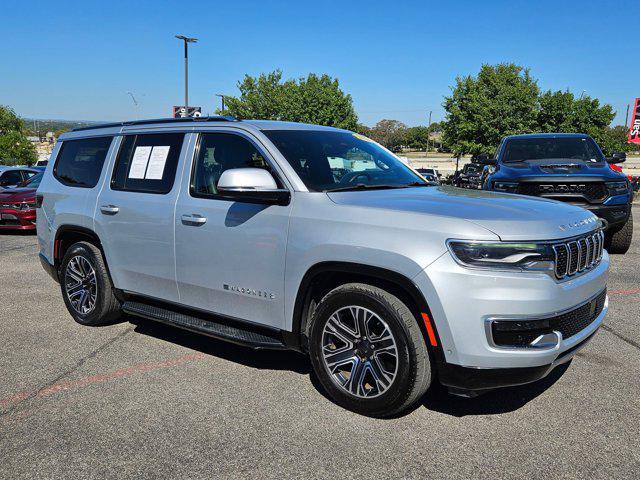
{"x":187,"y":41}
{"x":222,"y":100}
{"x":428,"y":133}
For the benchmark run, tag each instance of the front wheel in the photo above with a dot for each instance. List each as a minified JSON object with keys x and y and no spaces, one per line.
{"x":367,"y":350}
{"x":620,"y":240}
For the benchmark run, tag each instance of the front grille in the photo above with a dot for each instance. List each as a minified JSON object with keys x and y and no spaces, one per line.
{"x":578,"y":255}
{"x":590,"y":191}
{"x":573,"y":322}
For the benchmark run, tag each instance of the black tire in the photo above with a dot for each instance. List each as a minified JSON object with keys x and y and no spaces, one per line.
{"x":413,"y":367}
{"x":619,"y":241}
{"x":106,"y":307}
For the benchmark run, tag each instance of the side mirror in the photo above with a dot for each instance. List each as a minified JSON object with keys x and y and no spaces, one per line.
{"x":484,"y":159}
{"x":617,"y":157}
{"x":254,"y":185}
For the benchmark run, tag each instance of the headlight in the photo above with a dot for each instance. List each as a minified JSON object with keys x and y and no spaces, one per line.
{"x":502,"y":255}
{"x":617,"y":188}
{"x":509,"y":187}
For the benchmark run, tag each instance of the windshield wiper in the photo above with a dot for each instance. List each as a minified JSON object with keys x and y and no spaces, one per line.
{"x":420,"y":184}
{"x":363,"y":186}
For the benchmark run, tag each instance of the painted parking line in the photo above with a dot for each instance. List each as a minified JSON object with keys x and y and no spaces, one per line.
{"x":628,"y":291}
{"x":98,"y":378}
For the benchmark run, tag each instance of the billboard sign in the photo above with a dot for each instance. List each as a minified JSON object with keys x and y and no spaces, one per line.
{"x":183,"y":112}
{"x":634,"y":128}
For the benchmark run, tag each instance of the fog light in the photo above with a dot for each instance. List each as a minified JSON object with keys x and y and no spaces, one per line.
{"x":523,"y":334}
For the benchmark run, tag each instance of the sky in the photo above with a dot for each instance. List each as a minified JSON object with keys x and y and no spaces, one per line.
{"x":397,"y":59}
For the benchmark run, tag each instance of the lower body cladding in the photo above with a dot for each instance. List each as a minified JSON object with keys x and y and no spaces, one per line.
{"x":501,"y":328}
{"x":11,"y":219}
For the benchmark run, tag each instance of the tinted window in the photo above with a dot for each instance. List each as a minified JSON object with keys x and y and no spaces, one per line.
{"x":218,"y":152}
{"x":12,"y":177}
{"x":327,"y":160}
{"x":543,"y":148}
{"x":80,"y":162}
{"x":147,"y":163}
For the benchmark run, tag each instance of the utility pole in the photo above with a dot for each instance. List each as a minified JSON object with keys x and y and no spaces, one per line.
{"x":428,"y":134}
{"x":626,"y":118}
{"x":187,"y":41}
{"x":222,"y":100}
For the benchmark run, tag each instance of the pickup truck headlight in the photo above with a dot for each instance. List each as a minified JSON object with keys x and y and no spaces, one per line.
{"x":509,"y":187}
{"x":502,"y":255}
{"x":617,"y":188}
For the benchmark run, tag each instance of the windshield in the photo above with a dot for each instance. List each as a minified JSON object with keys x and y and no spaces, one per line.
{"x":33,"y":182}
{"x":575,"y":148}
{"x":327,"y":160}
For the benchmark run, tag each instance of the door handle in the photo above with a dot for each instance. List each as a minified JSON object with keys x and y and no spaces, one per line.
{"x":193,"y":220}
{"x":109,"y":209}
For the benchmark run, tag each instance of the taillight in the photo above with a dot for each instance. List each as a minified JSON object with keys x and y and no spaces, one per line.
{"x":39,"y":200}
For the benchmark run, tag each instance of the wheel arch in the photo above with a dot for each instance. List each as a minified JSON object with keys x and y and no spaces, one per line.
{"x":323,"y":277}
{"x":67,"y":235}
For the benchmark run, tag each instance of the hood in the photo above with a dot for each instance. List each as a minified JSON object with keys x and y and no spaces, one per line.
{"x":510,"y":217}
{"x":15,"y":195}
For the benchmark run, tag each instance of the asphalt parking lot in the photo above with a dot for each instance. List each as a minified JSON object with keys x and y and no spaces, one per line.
{"x":143,"y":400}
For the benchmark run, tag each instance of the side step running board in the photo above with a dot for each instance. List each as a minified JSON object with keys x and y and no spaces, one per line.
{"x":211,"y":328}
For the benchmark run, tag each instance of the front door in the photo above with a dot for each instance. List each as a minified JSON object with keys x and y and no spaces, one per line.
{"x":230,"y":255}
{"x":134,"y":214}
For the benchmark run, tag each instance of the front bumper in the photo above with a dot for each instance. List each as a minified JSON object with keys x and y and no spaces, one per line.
{"x":615,"y":216}
{"x":11,"y":219}
{"x":469,"y":381}
{"x":462,"y":300}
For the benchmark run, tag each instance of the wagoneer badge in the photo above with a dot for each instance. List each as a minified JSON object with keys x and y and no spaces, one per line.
{"x":580,"y":223}
{"x":249,"y":291}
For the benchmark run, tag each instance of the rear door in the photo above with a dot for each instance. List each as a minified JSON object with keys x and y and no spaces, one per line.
{"x":230,"y":256}
{"x":135,"y":213}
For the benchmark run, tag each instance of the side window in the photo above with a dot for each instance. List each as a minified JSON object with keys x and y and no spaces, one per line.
{"x":218,"y":152}
{"x":79,"y":162}
{"x":147,"y":163}
{"x":12,"y":177}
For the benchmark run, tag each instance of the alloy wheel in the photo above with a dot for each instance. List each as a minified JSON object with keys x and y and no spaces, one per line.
{"x":359,"y":351}
{"x":80,"y":285}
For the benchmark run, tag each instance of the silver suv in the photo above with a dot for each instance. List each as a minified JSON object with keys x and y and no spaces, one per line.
{"x":284,"y":235}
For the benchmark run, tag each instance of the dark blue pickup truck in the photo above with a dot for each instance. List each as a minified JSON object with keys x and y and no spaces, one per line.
{"x":566,"y":167}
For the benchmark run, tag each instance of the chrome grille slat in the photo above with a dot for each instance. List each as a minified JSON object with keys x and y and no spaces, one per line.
{"x":578,"y":255}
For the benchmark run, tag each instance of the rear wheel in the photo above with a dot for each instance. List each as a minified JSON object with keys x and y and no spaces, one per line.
{"x":620,"y":240}
{"x":367,"y":350}
{"x":86,"y":287}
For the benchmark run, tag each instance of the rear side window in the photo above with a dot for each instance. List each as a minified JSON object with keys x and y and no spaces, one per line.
{"x":147,"y":163}
{"x":79,"y":162}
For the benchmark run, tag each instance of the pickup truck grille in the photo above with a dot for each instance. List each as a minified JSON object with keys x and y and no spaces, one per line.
{"x":590,"y":191}
{"x":579,"y":254}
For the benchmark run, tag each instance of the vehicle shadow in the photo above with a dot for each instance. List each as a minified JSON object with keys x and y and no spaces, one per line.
{"x":494,"y":402}
{"x":260,"y":359}
{"x":437,"y":398}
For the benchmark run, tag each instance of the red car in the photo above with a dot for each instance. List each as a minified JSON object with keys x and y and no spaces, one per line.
{"x":18,"y":205}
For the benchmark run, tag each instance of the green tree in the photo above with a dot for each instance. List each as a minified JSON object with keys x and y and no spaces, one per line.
{"x":417,"y":137}
{"x":501,"y":100}
{"x":313,"y":99}
{"x":15,"y":148}
{"x":390,"y":133}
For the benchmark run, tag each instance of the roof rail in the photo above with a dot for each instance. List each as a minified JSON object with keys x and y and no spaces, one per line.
{"x":217,"y":118}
